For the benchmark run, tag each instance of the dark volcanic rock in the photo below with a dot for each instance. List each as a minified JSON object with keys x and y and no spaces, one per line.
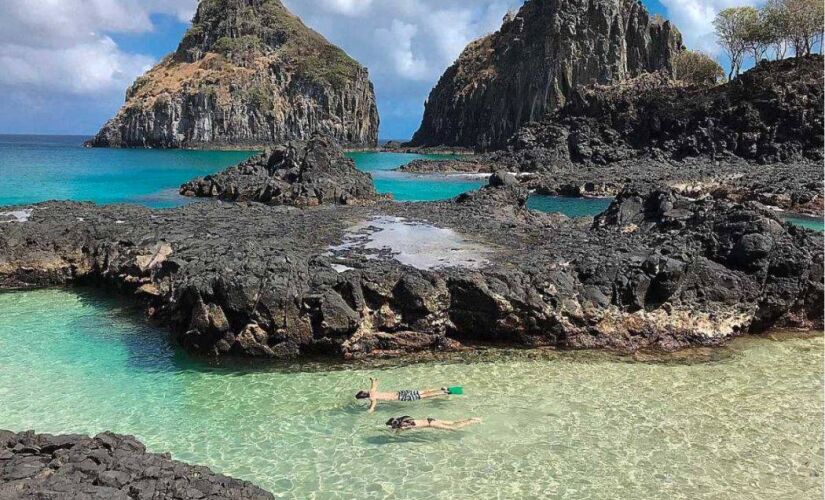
{"x":535,"y":61}
{"x":758,"y":138}
{"x":296,"y":173}
{"x":110,"y":466}
{"x":656,"y":270}
{"x":248,"y":73}
{"x":772,"y":113}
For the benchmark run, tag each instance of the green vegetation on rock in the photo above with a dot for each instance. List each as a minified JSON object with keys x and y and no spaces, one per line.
{"x":237,"y":29}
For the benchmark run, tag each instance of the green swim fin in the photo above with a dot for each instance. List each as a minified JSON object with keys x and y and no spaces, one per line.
{"x":455,"y":390}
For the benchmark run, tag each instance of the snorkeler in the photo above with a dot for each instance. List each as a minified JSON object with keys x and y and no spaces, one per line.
{"x":406,"y":423}
{"x":408,"y":395}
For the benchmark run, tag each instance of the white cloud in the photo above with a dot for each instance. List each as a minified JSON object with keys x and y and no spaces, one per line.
{"x":62,"y":46}
{"x":84,"y":68}
{"x":694,"y":18}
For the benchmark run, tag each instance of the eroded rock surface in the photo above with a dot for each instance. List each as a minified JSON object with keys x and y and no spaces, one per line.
{"x":535,"y":61}
{"x":656,"y":270}
{"x":770,"y":114}
{"x":757,"y":138}
{"x":297,"y":173}
{"x":107,"y":466}
{"x":247,"y":73}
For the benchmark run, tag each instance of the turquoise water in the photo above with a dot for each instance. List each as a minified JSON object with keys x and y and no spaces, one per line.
{"x":40,"y":168}
{"x":572,"y":207}
{"x":738,"y":422}
{"x":817,"y":224}
{"x":412,"y":187}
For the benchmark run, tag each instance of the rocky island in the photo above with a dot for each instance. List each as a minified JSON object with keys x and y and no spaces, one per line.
{"x":246,"y":74}
{"x":535,"y":61}
{"x":107,"y":466}
{"x":758,"y":137}
{"x":298,"y":173}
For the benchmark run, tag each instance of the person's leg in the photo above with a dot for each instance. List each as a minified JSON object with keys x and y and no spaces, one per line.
{"x":448,"y":424}
{"x":431,"y":393}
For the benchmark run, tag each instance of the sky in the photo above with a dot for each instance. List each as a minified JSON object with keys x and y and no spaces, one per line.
{"x":65,"y":64}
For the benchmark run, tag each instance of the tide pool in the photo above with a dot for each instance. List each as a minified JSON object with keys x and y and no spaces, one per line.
{"x":412,"y":187}
{"x":814,"y":223}
{"x":737,"y":422}
{"x":571,"y":207}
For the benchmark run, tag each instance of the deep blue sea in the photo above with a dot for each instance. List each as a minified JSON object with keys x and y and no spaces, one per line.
{"x":38,"y":168}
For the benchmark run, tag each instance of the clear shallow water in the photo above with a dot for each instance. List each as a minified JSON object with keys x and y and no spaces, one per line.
{"x":807,"y":222}
{"x":746,"y":422}
{"x":571,"y":207}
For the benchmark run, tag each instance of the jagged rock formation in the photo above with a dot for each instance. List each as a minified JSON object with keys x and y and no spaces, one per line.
{"x":757,"y":138}
{"x":111,"y":466}
{"x":247,"y":73}
{"x":770,"y":114}
{"x":533,"y":63}
{"x":656,"y":270}
{"x":297,"y":173}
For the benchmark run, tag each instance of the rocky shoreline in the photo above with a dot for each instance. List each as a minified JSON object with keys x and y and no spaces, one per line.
{"x":757,"y":138}
{"x":110,"y":466}
{"x":656,"y":270}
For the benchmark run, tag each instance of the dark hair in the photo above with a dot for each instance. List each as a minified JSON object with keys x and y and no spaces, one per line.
{"x":362,"y":395}
{"x":401,"y":422}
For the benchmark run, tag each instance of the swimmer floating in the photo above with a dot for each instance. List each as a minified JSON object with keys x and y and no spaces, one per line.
{"x":406,"y":395}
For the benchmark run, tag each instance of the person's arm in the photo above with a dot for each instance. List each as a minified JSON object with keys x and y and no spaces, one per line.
{"x":373,"y":390}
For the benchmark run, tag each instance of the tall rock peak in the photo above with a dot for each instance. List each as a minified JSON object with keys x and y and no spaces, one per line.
{"x":247,"y":73}
{"x":534,"y":62}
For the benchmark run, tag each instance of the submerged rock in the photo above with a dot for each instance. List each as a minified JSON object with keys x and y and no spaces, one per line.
{"x":247,"y":73}
{"x":111,"y":466}
{"x":657,"y":269}
{"x":535,"y":61}
{"x":297,"y":173}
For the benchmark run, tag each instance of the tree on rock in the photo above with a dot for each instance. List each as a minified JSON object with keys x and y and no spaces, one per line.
{"x":731,"y":32}
{"x":794,"y":23}
{"x":697,"y":68}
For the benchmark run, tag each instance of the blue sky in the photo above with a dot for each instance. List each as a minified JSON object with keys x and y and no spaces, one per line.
{"x":64,"y":70}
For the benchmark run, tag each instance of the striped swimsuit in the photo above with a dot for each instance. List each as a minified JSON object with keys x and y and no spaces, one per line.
{"x":409,"y":395}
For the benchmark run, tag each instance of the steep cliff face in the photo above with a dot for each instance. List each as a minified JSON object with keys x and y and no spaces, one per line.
{"x":532,"y":64}
{"x":247,"y":73}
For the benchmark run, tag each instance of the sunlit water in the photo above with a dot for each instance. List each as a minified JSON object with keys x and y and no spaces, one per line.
{"x":40,"y":168}
{"x":740,"y":422}
{"x":412,"y":187}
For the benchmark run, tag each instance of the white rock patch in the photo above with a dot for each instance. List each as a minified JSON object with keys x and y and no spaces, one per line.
{"x":419,"y":245}
{"x":16,"y":216}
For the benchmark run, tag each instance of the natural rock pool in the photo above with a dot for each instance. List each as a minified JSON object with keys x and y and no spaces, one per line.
{"x":743,"y":421}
